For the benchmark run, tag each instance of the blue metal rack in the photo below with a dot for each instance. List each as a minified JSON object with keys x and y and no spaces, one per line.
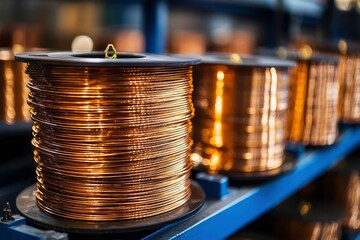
{"x":220,"y":218}
{"x":6,"y":129}
{"x":156,"y":14}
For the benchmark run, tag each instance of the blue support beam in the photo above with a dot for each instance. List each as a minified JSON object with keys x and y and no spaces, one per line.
{"x":155,"y":25}
{"x":13,"y":129}
{"x":221,"y":218}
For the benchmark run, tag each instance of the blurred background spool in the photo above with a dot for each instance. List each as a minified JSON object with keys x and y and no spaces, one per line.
{"x":349,"y":77}
{"x":342,"y":186}
{"x":13,"y":90}
{"x":240,"y":119}
{"x":301,"y":219}
{"x":111,"y":136}
{"x":313,"y":100}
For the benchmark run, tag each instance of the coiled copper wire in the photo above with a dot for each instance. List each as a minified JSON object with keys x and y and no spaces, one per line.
{"x":349,"y":98}
{"x":314,"y":90}
{"x":111,"y":143}
{"x":314,"y":96}
{"x":240,"y":117}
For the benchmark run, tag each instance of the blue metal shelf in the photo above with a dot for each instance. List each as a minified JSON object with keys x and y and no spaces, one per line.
{"x":300,"y":7}
{"x":220,"y":218}
{"x":6,"y":129}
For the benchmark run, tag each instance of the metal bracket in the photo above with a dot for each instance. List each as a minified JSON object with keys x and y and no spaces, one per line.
{"x":17,"y":229}
{"x":215,"y":186}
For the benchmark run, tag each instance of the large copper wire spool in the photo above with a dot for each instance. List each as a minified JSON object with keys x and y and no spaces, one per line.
{"x":111,"y":136}
{"x":349,"y":98}
{"x":240,"y":119}
{"x":314,"y":90}
{"x":13,"y":90}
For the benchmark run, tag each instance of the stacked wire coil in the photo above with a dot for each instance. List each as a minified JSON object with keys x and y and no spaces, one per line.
{"x":240,"y":121}
{"x":313,"y":106}
{"x":112,"y":137}
{"x":349,"y":98}
{"x":13,"y":90}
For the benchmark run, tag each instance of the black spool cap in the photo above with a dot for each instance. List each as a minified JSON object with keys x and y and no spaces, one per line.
{"x":239,"y":60}
{"x":97,"y":59}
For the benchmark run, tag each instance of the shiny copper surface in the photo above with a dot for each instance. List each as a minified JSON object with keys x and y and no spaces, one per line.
{"x":240,"y":118}
{"x":313,"y":105}
{"x":349,"y":100}
{"x":13,"y":90}
{"x":111,"y":143}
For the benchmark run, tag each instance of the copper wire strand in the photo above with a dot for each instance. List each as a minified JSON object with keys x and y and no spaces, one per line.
{"x":313,"y":103}
{"x":111,"y":143}
{"x":240,"y":117}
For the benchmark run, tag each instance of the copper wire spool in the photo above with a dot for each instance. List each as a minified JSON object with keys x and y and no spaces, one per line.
{"x":342,"y":186}
{"x":112,"y":137}
{"x":302,"y":219}
{"x":349,"y":98}
{"x":13,"y":90}
{"x":314,"y":96}
{"x":241,"y":105}
{"x":314,"y":89}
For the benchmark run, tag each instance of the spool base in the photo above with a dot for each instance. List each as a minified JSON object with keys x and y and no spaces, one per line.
{"x":26,"y":204}
{"x":254,"y":177}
